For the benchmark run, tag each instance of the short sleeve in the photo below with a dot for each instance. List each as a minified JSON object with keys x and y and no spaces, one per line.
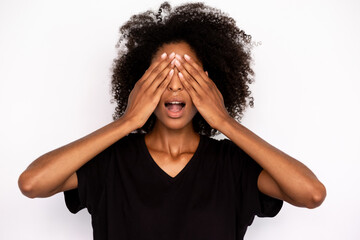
{"x":91,"y":181}
{"x":251,"y":201}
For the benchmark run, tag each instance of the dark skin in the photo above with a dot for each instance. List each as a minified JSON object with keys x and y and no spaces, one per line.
{"x":173,"y":141}
{"x":55,"y":171}
{"x":283,"y":176}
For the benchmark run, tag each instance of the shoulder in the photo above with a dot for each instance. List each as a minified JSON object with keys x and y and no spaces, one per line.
{"x":122,"y":148}
{"x":126,"y":144}
{"x":223,"y":143}
{"x":132,"y":139}
{"x":223,"y":147}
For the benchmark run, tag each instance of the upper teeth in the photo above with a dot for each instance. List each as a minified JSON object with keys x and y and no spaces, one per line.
{"x":175,"y":102}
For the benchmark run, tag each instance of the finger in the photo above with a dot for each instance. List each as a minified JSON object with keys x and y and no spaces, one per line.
{"x":161,"y":76}
{"x":163,"y":84}
{"x":187,"y":76}
{"x":189,"y":63}
{"x":197,"y":72}
{"x":188,"y":87}
{"x":160,"y":71}
{"x":161,"y":65}
{"x":157,"y":66}
{"x":153,"y":65}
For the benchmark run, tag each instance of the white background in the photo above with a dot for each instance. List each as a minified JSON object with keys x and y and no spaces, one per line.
{"x":55,"y":60}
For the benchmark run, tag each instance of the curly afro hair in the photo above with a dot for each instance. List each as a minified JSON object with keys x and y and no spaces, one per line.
{"x":219,"y":44}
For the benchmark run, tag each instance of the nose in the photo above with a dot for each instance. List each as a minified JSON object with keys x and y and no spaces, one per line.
{"x":175,"y":83}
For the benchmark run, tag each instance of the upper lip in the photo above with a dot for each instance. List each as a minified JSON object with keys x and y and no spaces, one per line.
{"x":175,"y":99}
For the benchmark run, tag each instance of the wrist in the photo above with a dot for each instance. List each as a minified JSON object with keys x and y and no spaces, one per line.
{"x":129,"y":123}
{"x":227,"y":126}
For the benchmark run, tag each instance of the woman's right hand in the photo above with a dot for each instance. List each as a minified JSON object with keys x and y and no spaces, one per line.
{"x":147,"y":91}
{"x":55,"y":171}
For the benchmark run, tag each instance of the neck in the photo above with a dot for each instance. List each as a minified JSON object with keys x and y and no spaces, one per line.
{"x":172,"y":141}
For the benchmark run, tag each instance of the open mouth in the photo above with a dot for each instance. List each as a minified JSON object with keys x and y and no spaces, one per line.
{"x":174,"y":106}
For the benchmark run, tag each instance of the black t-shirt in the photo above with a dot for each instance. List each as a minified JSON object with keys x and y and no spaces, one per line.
{"x":215,"y":196}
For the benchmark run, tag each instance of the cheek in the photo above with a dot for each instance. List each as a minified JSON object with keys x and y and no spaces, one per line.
{"x":157,"y":109}
{"x":193,"y":110}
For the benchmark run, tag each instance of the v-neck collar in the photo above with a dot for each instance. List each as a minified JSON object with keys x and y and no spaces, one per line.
{"x":160,"y":171}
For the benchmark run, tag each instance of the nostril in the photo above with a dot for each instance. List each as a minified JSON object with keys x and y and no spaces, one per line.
{"x":172,"y":89}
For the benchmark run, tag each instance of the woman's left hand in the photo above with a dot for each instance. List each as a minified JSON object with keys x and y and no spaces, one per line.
{"x":203,"y":91}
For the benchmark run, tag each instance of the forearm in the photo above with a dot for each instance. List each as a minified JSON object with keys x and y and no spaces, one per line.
{"x":292,"y":177}
{"x":52,"y":169}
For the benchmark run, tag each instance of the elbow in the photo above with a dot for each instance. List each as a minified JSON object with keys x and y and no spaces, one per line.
{"x":317,"y":196}
{"x":27,"y":186}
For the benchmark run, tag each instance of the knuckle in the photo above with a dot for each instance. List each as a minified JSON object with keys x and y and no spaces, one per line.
{"x":193,"y":72}
{"x":161,"y":85}
{"x":137,"y":85}
{"x":142,"y":88}
{"x":197,"y":68}
{"x":162,"y":75}
{"x":209,"y":84}
{"x":150,"y":69}
{"x":156,"y":69}
{"x":187,"y":87}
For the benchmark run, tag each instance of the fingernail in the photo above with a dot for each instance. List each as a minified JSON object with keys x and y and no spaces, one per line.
{"x":173,"y":61}
{"x":178,"y":56}
{"x":171,"y":72}
{"x":172,"y":55}
{"x":163,"y":56}
{"x":181,"y":75}
{"x":186,"y":57}
{"x":177,"y":63}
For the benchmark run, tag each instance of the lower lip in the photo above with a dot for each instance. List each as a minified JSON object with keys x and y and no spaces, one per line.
{"x":175,"y":114}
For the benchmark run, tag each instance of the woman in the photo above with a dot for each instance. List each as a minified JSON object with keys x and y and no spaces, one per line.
{"x":155,"y":173}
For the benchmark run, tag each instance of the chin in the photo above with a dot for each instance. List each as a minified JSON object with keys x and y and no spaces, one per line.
{"x":174,"y":124}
